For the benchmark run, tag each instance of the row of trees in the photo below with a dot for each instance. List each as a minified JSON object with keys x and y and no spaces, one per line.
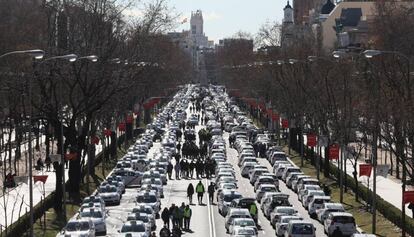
{"x":136,"y":61}
{"x":335,"y":97}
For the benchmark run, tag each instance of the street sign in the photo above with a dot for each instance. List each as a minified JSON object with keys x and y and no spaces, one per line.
{"x":382,"y":170}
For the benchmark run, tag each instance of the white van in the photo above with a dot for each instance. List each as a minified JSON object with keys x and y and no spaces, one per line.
{"x":343,"y":221}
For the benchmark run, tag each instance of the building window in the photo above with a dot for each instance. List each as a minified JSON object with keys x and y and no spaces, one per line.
{"x":194,"y":29}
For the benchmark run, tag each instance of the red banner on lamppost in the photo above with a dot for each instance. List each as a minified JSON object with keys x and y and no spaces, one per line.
{"x":334,"y":152}
{"x":129,"y":119}
{"x":122,"y":127}
{"x":275,"y":117}
{"x":41,"y":178}
{"x":285,"y":123}
{"x":365,"y":170}
{"x":95,"y":140}
{"x":408,"y":197}
{"x":311,"y":140}
{"x":107,"y":132}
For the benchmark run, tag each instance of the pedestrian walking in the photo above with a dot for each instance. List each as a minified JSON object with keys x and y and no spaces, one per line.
{"x":39,"y":164}
{"x":169,"y":170}
{"x":165,"y":216}
{"x":177,"y":169}
{"x":48,"y":162}
{"x":190,"y":192}
{"x":175,"y":216}
{"x":153,"y":234}
{"x":191,"y":167}
{"x":211,"y":190}
{"x":165,"y":232}
{"x":181,"y":215}
{"x":200,"y":192}
{"x":253,"y":211}
{"x":187,"y":217}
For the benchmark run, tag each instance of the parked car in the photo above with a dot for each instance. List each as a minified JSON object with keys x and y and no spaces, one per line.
{"x":300,"y":229}
{"x":328,"y":208}
{"x":317,"y":204}
{"x":79,"y":228}
{"x":282,"y":225}
{"x":135,"y":228}
{"x":344,"y":221}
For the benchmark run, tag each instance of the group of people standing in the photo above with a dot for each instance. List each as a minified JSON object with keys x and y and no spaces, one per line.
{"x":180,"y":220}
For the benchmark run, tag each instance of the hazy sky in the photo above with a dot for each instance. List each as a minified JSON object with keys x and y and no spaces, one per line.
{"x":223,"y":18}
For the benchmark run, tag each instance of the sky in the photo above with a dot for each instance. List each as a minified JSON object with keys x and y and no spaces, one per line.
{"x":223,"y":18}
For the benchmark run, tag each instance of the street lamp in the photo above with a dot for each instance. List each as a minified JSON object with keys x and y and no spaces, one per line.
{"x":92,"y":58}
{"x":293,"y":61}
{"x":339,"y":54}
{"x":35,"y":54}
{"x":70,"y":58}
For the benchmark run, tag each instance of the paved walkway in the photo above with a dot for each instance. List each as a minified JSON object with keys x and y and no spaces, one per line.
{"x":15,"y":203}
{"x":389,"y":189}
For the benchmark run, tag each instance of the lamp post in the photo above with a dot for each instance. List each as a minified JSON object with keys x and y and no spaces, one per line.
{"x":301,"y":140}
{"x":371,"y":54}
{"x":70,"y":58}
{"x":93,"y":59}
{"x":35,"y":54}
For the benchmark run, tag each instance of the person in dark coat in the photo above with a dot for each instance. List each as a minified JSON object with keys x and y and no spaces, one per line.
{"x":211,"y":189}
{"x":178,"y":147}
{"x":190,"y":192}
{"x":165,"y":232}
{"x":169,"y":170}
{"x":191,"y":167}
{"x":165,"y":216}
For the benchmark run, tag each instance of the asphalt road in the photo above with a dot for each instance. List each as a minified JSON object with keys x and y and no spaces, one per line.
{"x":206,"y":221}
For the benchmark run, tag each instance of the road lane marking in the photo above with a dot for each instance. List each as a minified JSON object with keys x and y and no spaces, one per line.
{"x":211,"y":215}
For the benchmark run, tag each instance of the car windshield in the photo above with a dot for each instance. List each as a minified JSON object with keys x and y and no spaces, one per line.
{"x":320,"y":201}
{"x":143,"y":210}
{"x":344,"y":219}
{"x":286,"y":211}
{"x":286,"y":220}
{"x":133,"y":228}
{"x":95,"y":214}
{"x":142,"y":218}
{"x":268,"y":189}
{"x":229,"y":186}
{"x":245,"y":232}
{"x":146,"y":199}
{"x":107,"y":190}
{"x":231,"y":197}
{"x":302,"y":229}
{"x":244,"y":223}
{"x":76,"y":226}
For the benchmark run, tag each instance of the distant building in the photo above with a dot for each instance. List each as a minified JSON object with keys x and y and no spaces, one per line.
{"x":194,"y":42}
{"x":346,"y":25}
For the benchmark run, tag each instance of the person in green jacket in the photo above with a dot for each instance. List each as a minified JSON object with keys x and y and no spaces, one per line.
{"x":200,"y":192}
{"x":187,"y":217}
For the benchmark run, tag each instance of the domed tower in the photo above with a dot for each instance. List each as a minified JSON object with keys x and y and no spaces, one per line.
{"x":288,"y":14}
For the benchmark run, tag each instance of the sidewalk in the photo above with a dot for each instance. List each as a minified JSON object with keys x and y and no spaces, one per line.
{"x":15,"y":202}
{"x":389,"y":188}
